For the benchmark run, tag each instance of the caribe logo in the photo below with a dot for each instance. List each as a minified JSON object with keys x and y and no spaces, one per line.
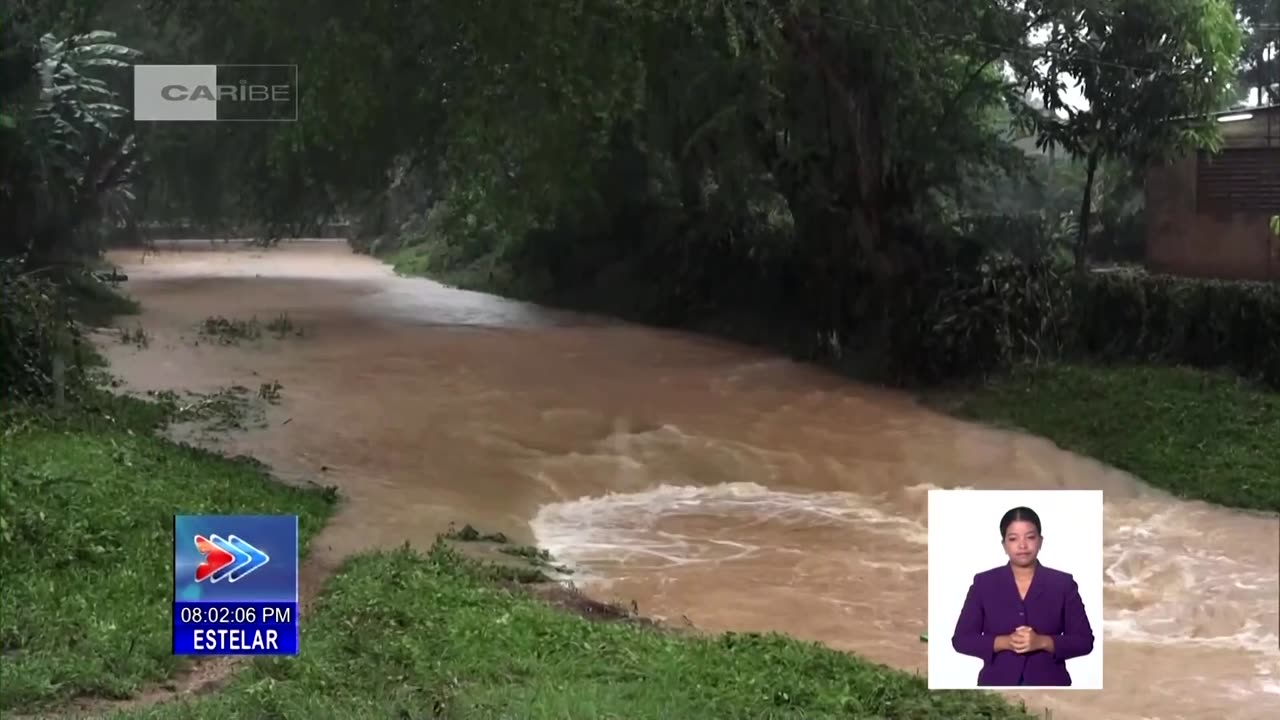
{"x":230,"y":558}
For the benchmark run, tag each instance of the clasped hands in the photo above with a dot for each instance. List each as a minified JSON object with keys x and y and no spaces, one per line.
{"x":1025,"y":640}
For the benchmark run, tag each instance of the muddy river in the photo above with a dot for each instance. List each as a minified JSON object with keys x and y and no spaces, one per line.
{"x":710,"y":483}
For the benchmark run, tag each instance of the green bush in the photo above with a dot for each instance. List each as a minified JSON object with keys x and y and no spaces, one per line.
{"x":1002,"y":311}
{"x":1209,"y":324}
{"x":983,"y":318}
{"x":35,"y":328}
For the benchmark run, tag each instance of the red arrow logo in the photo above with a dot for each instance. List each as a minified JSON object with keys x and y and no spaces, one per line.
{"x":215,"y":558}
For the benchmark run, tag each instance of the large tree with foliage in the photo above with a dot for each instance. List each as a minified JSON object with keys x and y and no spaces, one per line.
{"x":859,"y":115}
{"x":830,"y":101}
{"x":1149,"y":71}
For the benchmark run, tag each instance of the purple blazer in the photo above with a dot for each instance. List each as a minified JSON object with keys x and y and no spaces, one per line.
{"x":1052,"y":607}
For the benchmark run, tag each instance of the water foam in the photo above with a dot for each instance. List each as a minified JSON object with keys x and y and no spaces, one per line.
{"x":1167,"y":586}
{"x":624,"y":528}
{"x":1160,"y":583}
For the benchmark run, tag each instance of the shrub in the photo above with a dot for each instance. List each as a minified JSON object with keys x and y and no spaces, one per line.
{"x":1002,"y":311}
{"x":1209,"y":324}
{"x":981,"y":318}
{"x":35,"y":328}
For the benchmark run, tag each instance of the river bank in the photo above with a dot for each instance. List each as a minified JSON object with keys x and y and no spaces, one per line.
{"x":1199,"y":435}
{"x":697,"y":478}
{"x":89,"y":498}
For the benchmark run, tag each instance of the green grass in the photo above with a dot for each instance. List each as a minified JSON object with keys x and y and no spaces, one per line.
{"x":86,"y":506}
{"x":406,"y":635}
{"x":1200,"y":435}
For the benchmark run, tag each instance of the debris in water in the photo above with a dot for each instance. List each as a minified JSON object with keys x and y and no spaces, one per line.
{"x":270,"y":391}
{"x":470,"y":534}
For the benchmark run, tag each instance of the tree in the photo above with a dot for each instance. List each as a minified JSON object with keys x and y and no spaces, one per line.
{"x":1149,"y":70}
{"x":69,"y":159}
{"x":859,"y":114}
{"x":1260,"y":68}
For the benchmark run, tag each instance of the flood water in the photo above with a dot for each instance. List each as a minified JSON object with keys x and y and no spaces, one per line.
{"x":710,"y":483}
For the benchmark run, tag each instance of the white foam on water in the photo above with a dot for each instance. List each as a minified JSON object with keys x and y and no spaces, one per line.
{"x":424,"y":301}
{"x":622,"y":528}
{"x":1170,"y":580}
{"x":1177,"y":588}
{"x":1182,"y":576}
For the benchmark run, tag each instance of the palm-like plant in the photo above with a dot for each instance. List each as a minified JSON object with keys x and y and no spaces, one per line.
{"x":79,"y":159}
{"x":93,"y":162}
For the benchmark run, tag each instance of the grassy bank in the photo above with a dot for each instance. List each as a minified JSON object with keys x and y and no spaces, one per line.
{"x":401,"y":634}
{"x":1200,"y":435}
{"x":86,"y":506}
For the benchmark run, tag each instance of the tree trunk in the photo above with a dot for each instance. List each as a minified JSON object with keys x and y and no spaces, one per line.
{"x":1086,"y":209}
{"x":848,"y":215}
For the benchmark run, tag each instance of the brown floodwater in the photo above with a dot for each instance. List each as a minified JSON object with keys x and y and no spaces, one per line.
{"x":710,"y":483}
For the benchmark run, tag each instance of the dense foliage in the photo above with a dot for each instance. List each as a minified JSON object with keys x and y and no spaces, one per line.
{"x":67,"y":163}
{"x":70,"y":159}
{"x":1203,"y":323}
{"x":36,"y":333}
{"x":860,"y":117}
{"x":871,"y":176}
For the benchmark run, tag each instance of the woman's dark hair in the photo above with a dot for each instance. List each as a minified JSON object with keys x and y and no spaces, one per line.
{"x":1019,"y":513}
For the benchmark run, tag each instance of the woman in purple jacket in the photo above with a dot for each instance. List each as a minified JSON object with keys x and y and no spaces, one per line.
{"x":1023,"y":620}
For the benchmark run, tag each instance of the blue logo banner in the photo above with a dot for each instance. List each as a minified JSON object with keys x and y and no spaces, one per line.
{"x":235,"y":585}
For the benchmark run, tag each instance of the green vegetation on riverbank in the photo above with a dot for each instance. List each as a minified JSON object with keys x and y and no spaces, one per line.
{"x":402,"y":634}
{"x":86,"y":506}
{"x":1203,"y":436}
